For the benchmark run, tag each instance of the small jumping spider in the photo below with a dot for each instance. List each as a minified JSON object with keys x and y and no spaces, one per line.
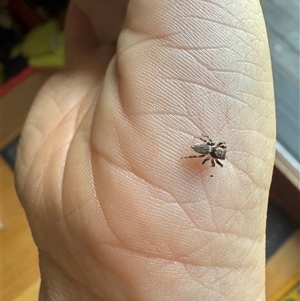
{"x":210,"y":150}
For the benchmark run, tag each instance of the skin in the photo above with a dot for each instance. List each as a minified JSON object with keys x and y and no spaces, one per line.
{"x":114,"y":210}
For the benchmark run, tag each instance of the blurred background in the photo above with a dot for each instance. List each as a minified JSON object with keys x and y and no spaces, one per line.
{"x":32,"y":47}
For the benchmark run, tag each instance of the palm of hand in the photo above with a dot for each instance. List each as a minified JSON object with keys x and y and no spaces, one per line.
{"x":104,"y":190}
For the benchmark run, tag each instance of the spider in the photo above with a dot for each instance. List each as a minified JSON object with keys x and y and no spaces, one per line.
{"x":209,"y":150}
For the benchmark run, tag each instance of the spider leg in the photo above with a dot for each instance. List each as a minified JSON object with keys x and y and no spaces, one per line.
{"x":207,"y":140}
{"x":200,"y":138}
{"x":218,"y":162}
{"x":206,"y":159}
{"x":196,"y":156}
{"x":220,"y":143}
{"x":212,"y":162}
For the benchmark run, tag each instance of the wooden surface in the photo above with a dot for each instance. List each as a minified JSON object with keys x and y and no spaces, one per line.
{"x":16,"y":103}
{"x":284,"y":266}
{"x":20,"y":273}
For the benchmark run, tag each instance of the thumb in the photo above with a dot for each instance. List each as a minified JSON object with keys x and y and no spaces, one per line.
{"x":182,"y":70}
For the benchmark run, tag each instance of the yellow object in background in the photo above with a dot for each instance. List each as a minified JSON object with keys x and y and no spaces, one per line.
{"x":43,"y":46}
{"x":290,"y":292}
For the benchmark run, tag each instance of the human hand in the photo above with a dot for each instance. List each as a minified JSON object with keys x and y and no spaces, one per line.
{"x":115,"y":213}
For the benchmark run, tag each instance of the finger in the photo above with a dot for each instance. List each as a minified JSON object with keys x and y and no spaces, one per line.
{"x":215,"y":79}
{"x":184,"y":69}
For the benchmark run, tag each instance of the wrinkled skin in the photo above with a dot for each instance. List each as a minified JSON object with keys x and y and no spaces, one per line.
{"x":115,"y":213}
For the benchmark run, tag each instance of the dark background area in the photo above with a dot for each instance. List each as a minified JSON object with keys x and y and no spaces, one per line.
{"x":283,"y":22}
